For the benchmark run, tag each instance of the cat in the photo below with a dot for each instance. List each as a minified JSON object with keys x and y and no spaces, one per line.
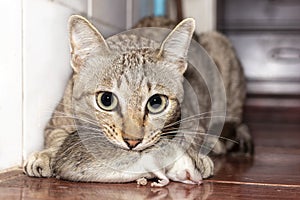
{"x":125,"y":74}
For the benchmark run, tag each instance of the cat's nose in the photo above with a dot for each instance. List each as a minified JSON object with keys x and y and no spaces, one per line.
{"x":132,"y":143}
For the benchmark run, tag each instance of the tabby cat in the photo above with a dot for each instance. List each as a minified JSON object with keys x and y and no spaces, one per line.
{"x":119,"y":118}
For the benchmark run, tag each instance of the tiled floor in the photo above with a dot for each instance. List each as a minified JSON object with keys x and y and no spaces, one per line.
{"x":273,"y":173}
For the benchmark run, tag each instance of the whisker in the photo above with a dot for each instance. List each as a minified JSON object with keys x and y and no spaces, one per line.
{"x":215,"y":132}
{"x":182,"y":129}
{"x":68,"y":114}
{"x":189,"y":143}
{"x":179,"y":131}
{"x":77,"y":118}
{"x":207,"y":148}
{"x":95,"y":122}
{"x":192,"y":119}
{"x":70,"y":106}
{"x":89,"y":133}
{"x":195,"y":132}
{"x":77,"y":143}
{"x":78,"y":126}
{"x":200,"y":114}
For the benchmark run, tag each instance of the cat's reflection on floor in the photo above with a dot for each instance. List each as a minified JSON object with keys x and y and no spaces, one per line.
{"x":70,"y":190}
{"x":182,"y":191}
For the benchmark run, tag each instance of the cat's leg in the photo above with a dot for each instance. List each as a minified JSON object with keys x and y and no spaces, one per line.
{"x":203,"y":163}
{"x":240,"y":141}
{"x":244,"y":139}
{"x":39,"y":163}
{"x":202,"y":167}
{"x":184,"y":171}
{"x":217,"y":147}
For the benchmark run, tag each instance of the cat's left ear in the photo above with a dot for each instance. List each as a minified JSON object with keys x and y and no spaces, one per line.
{"x":176,"y":45}
{"x":85,"y":39}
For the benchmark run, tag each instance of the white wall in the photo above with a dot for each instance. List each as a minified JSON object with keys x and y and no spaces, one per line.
{"x":203,"y":11}
{"x":109,"y":16}
{"x":46,"y":64}
{"x":34,"y":57}
{"x":10,"y":84}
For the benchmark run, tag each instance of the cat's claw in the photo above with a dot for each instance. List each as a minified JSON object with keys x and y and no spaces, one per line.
{"x":38,"y":165}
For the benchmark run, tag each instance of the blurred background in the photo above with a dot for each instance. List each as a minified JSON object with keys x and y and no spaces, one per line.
{"x":34,"y":57}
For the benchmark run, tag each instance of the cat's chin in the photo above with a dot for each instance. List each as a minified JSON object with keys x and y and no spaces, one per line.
{"x":142,"y":146}
{"x":138,"y":148}
{"x":120,"y":145}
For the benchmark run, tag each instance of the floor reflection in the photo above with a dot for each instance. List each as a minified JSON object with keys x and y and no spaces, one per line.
{"x":53,"y":189}
{"x":23,"y":187}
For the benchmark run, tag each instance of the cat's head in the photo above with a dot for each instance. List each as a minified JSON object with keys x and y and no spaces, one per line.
{"x":130,"y":86}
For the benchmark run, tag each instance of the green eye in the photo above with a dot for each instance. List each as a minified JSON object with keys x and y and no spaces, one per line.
{"x":107,"y":101}
{"x":157,"y":103}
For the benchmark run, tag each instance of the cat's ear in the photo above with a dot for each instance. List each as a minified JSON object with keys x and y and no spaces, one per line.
{"x":176,"y":45}
{"x":84,"y":39}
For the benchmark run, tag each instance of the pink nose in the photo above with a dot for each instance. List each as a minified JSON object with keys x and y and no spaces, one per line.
{"x":132,"y":143}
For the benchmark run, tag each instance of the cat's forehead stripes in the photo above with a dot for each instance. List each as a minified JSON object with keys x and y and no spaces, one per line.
{"x":129,"y":68}
{"x":125,"y":42}
{"x":136,"y":58}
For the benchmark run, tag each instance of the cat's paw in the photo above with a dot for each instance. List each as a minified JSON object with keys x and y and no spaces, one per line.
{"x":244,"y":139}
{"x":205,"y":166}
{"x":38,"y":165}
{"x":244,"y":142}
{"x":185,"y":171}
{"x":218,"y":148}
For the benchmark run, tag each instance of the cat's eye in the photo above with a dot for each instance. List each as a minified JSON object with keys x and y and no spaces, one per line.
{"x":157,"y":103}
{"x":106,"y":101}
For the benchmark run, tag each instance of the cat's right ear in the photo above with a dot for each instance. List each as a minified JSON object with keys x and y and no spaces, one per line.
{"x":84,"y":39}
{"x":176,"y":45}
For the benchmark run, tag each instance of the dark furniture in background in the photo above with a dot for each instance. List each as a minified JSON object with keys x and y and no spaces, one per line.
{"x":266,"y":36}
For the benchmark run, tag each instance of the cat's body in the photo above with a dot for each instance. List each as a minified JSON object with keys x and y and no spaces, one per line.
{"x":125,"y":154}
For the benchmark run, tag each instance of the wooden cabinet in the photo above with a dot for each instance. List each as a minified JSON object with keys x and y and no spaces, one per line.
{"x":266,"y":36}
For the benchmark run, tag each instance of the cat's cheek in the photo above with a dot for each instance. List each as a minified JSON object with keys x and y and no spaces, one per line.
{"x":159,"y":121}
{"x":156,"y":122}
{"x":172,"y":112}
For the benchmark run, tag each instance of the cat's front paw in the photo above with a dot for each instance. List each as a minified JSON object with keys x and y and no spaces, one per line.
{"x":38,"y":165}
{"x":205,"y":166}
{"x":244,"y":139}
